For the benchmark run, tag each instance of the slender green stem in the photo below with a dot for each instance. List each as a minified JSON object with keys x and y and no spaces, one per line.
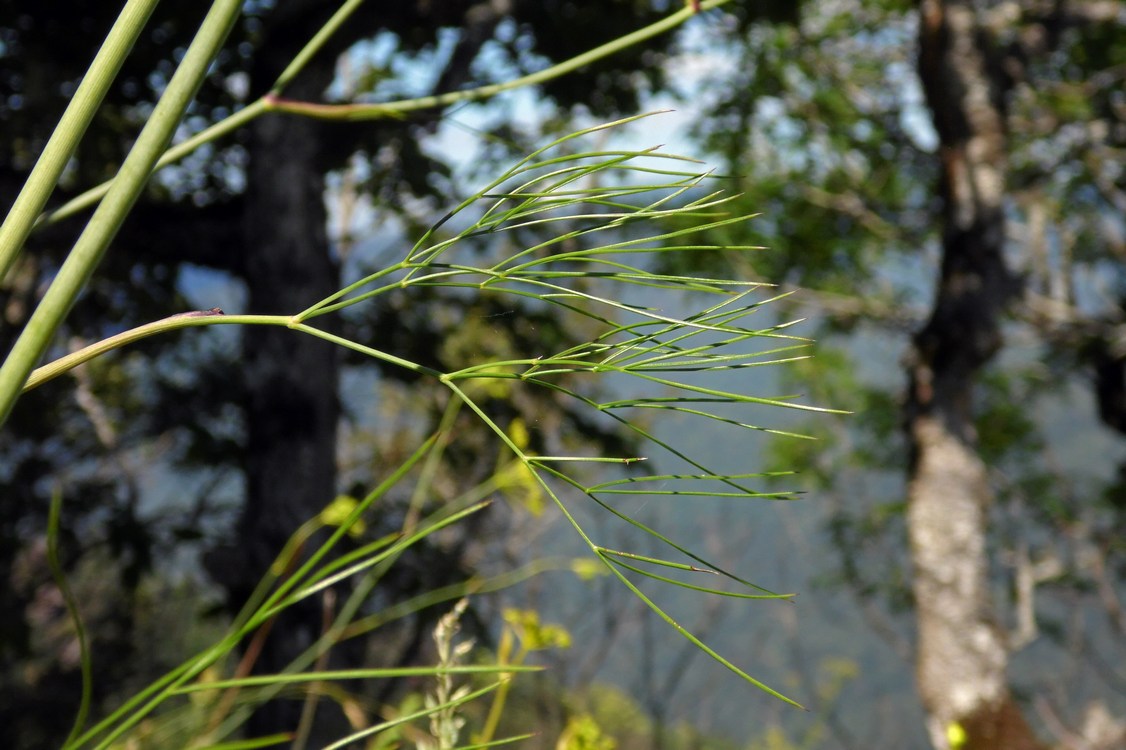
{"x":110,"y":214}
{"x":697,"y":642}
{"x":72,"y":126}
{"x":182,"y":320}
{"x":314,"y":45}
{"x":269,"y":680}
{"x":221,"y":128}
{"x":537,"y":460}
{"x":407,"y":718}
{"x":361,"y":349}
{"x":272,"y":102}
{"x":397,"y":109}
{"x":179,"y":151}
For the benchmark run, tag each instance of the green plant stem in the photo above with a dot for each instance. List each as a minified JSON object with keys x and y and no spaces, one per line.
{"x":221,"y":128}
{"x":496,"y":710}
{"x":89,"y":197}
{"x":272,"y":680}
{"x":271,"y":102}
{"x":182,"y":320}
{"x":407,"y":718}
{"x":397,"y":109}
{"x":314,"y":45}
{"x":204,"y":318}
{"x":147,"y":700}
{"x":72,"y":126}
{"x":111,"y":212}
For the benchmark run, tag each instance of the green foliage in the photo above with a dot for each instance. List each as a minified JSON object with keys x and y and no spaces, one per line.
{"x":603,"y":215}
{"x":810,"y":124}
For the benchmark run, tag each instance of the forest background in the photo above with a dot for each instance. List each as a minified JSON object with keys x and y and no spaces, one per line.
{"x":942,"y":185}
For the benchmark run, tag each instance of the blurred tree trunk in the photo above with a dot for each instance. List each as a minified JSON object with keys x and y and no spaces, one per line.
{"x":291,"y":407}
{"x":962,"y":653}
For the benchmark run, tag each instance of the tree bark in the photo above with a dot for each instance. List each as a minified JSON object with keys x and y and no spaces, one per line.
{"x":962,"y":654}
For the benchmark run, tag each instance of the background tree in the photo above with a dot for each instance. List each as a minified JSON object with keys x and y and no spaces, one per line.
{"x":824,"y":124}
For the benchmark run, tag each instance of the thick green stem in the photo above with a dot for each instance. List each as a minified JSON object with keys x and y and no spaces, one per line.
{"x":111,"y":212}
{"x":72,"y":126}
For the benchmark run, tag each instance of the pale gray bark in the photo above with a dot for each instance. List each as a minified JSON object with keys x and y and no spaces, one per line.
{"x":962,"y":656}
